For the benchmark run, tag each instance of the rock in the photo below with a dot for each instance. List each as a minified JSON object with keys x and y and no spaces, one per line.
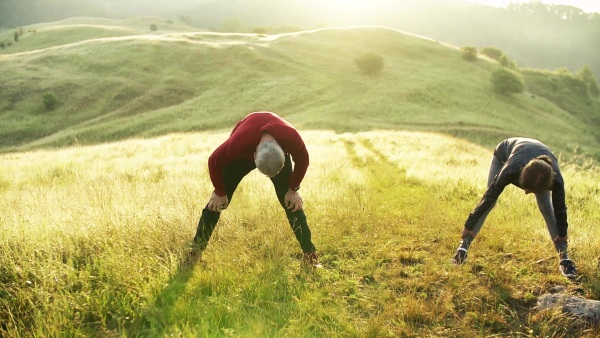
{"x":585,"y":309}
{"x":557,"y":289}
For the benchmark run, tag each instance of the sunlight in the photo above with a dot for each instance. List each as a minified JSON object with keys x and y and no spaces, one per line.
{"x":349,"y":4}
{"x":347,"y":8}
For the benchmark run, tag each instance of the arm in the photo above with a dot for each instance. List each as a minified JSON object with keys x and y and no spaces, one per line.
{"x":487,"y":201}
{"x":216,"y":163}
{"x":297,"y":149}
{"x":301,"y":162}
{"x":560,"y":206}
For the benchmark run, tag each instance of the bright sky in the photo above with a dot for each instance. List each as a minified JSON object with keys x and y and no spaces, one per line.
{"x":586,"y":5}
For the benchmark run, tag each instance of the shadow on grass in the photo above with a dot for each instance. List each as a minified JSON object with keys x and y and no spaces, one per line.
{"x":157,"y":315}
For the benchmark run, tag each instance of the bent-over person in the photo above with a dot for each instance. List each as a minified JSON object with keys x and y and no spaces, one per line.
{"x":531,"y":166}
{"x":265,"y":141}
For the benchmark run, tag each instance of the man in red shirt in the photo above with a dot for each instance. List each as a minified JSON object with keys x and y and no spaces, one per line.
{"x":265,"y":141}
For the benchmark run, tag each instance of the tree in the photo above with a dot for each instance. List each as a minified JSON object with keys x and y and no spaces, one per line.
{"x":574,"y":83}
{"x":507,"y":82}
{"x":492,"y":52}
{"x":588,"y":77}
{"x":504,"y":61}
{"x":260,"y":30}
{"x":469,"y":53}
{"x":153,"y":27}
{"x":16,"y":37}
{"x":369,"y":63}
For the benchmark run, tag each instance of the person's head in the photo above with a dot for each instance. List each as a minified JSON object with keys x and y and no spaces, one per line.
{"x":537,"y":175}
{"x":269,"y":157}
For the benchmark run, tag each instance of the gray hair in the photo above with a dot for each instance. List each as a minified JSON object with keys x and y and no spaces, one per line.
{"x":269,"y":158}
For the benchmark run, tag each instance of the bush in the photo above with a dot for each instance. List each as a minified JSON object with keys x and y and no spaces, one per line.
{"x":50,"y":101}
{"x":153,"y":27}
{"x":504,"y":61}
{"x":260,"y":30}
{"x":574,"y":83}
{"x":2,"y":45}
{"x":492,"y":52}
{"x":469,"y":53}
{"x":369,"y":64}
{"x":507,"y":82}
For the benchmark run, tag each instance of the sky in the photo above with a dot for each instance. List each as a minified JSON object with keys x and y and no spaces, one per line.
{"x":586,"y":5}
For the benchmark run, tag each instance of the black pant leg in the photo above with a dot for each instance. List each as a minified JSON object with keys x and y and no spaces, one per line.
{"x":296,"y":219}
{"x":232,"y":176}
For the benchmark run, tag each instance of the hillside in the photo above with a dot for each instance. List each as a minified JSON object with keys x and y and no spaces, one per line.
{"x":535,"y":34}
{"x":116,"y":79}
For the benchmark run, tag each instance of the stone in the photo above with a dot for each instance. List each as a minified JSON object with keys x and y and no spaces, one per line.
{"x":585,"y":309}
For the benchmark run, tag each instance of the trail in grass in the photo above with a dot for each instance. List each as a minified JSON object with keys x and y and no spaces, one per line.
{"x":377,"y":248}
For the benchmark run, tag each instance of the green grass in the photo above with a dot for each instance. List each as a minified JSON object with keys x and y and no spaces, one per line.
{"x":115,"y":79}
{"x":95,"y":233}
{"x":95,"y":243}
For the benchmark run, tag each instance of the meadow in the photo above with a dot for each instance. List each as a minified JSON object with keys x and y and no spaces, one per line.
{"x":101,"y":193}
{"x":96,"y":242}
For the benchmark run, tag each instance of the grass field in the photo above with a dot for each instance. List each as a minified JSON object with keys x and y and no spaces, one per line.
{"x":101,"y":193}
{"x":95,"y":242}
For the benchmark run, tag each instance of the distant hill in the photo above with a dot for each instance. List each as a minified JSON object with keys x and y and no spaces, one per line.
{"x":87,"y":80}
{"x":534,"y":34}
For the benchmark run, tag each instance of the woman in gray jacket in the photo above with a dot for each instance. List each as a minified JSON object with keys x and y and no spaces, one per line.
{"x":531,"y":166}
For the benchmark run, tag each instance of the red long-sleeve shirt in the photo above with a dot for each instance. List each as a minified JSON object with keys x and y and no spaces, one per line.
{"x":244,"y":139}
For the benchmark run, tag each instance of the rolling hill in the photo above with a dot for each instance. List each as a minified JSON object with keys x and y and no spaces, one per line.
{"x":117,"y":79}
{"x":96,"y":236}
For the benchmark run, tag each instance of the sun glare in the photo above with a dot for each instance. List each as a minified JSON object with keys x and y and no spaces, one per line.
{"x":347,"y":8}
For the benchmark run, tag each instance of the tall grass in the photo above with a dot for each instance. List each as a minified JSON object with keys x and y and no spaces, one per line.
{"x":95,"y":242}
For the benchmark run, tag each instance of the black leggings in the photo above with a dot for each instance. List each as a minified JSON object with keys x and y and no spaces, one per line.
{"x":232,"y":176}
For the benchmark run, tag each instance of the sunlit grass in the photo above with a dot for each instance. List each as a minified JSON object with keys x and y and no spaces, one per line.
{"x":95,"y":242}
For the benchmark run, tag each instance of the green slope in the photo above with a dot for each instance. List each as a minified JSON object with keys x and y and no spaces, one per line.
{"x":117,"y":79}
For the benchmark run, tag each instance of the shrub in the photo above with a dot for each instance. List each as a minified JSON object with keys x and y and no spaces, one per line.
{"x":50,"y":101}
{"x":504,"y":61}
{"x":469,"y":53}
{"x":369,"y":63}
{"x":2,"y":45}
{"x":153,"y":27}
{"x":492,"y":52}
{"x":16,"y":37}
{"x":260,"y":30}
{"x":572,"y":82}
{"x":507,"y":82}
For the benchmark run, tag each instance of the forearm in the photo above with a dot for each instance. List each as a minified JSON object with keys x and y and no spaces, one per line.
{"x":482,"y":209}
{"x":561,"y":222}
